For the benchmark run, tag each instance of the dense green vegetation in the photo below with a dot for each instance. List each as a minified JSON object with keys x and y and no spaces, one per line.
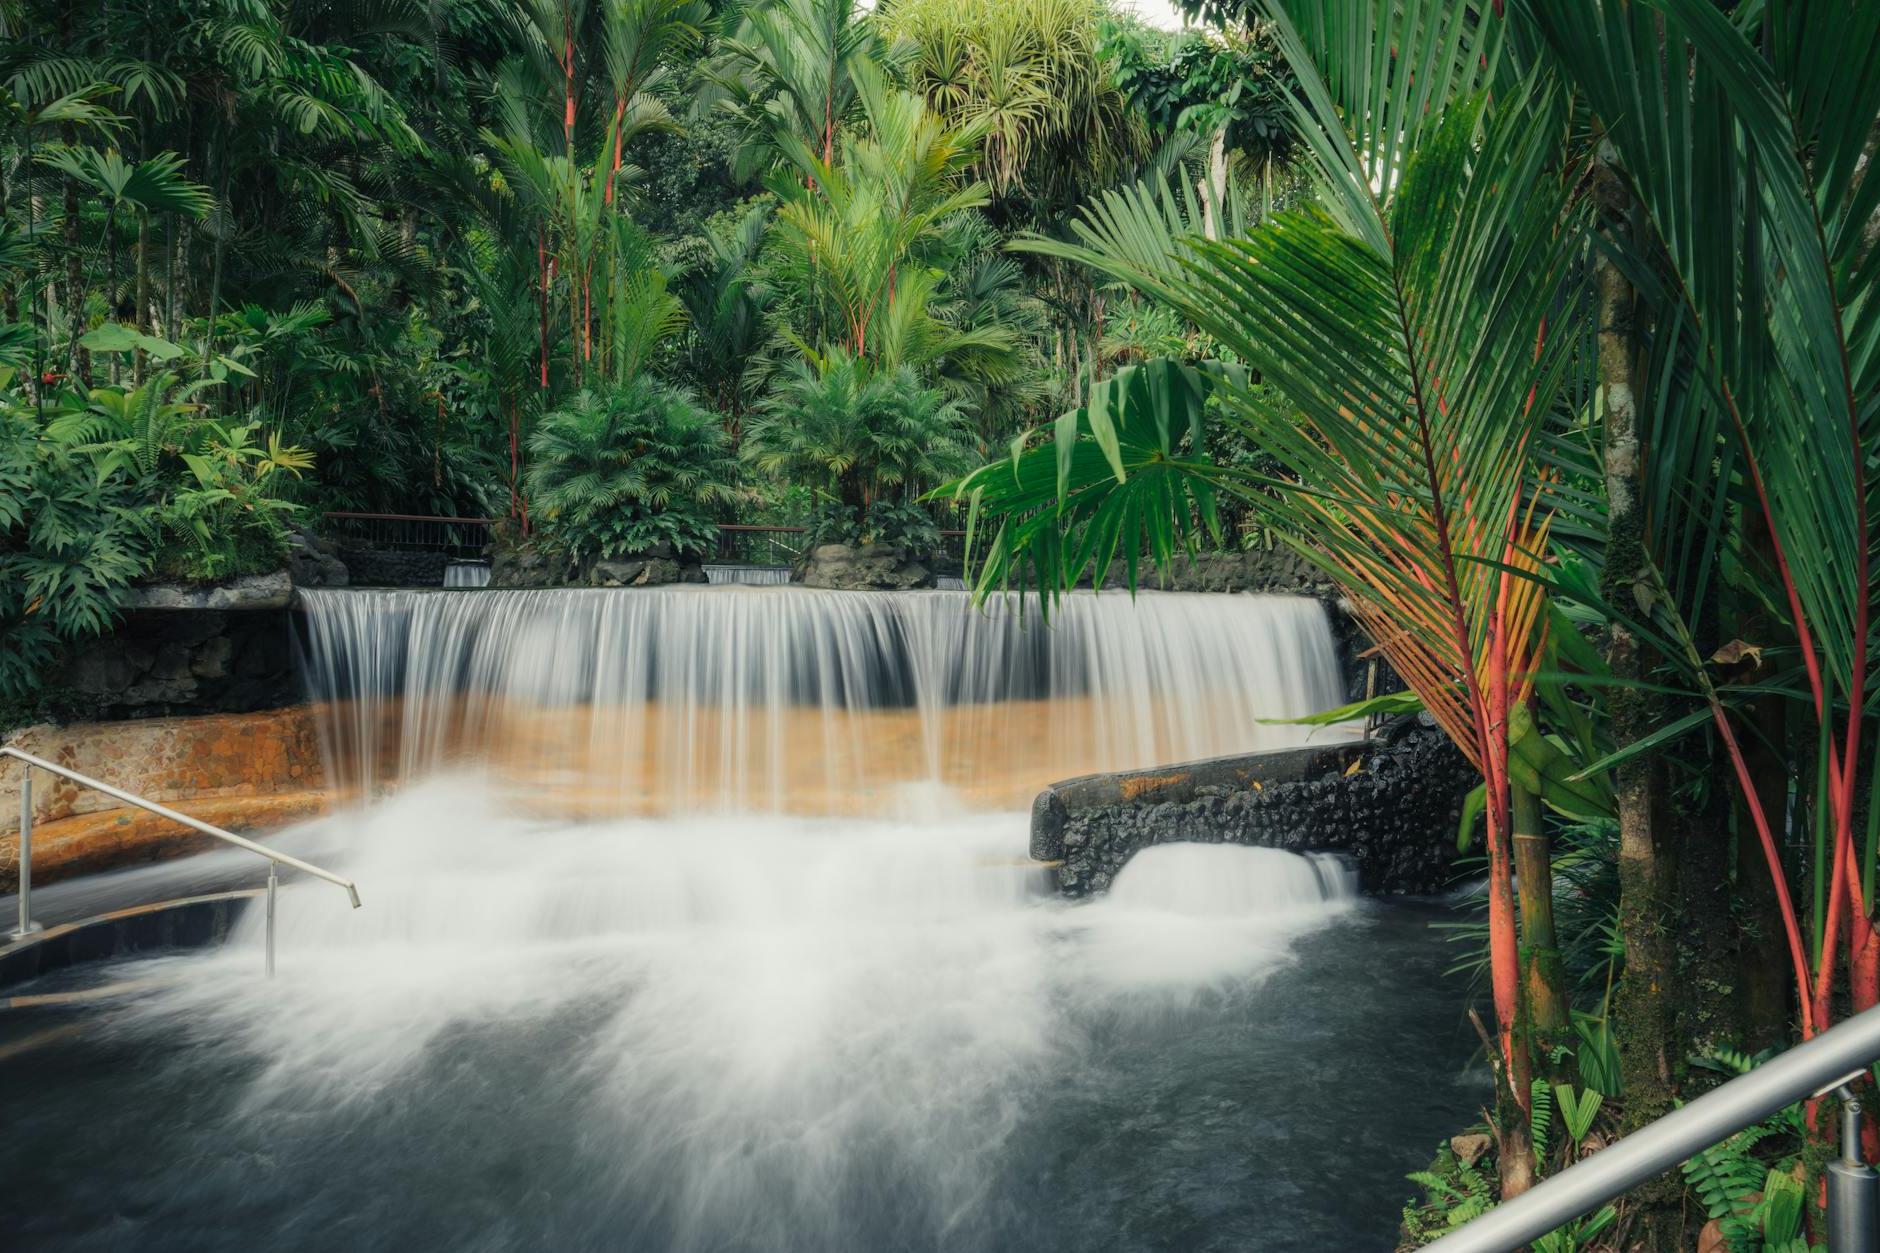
{"x":512,"y":259}
{"x":1568,"y":378}
{"x":1548,"y":330}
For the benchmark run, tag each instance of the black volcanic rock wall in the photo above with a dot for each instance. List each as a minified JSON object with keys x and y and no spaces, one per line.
{"x":1390,"y":804}
{"x":164,"y":662}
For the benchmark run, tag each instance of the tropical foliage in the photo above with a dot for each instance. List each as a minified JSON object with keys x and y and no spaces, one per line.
{"x":1565,"y":380}
{"x":634,"y":469}
{"x":396,"y":241}
{"x":1545,"y":330}
{"x":867,"y":436}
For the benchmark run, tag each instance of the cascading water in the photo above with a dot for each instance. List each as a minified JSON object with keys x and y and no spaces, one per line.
{"x":831,"y":1020}
{"x":684,"y":699}
{"x":747,"y":576}
{"x":467,"y":574}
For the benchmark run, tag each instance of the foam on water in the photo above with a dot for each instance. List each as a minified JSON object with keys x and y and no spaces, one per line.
{"x":693,"y":1029}
{"x":766,"y":1004}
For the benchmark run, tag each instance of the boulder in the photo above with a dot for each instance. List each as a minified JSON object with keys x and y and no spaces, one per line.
{"x":867,"y":568}
{"x":528,"y":565}
{"x":314,"y":562}
{"x":649,"y":569}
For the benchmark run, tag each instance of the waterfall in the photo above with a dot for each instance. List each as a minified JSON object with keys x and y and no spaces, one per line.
{"x":859,"y":1023}
{"x":610,"y":702}
{"x":467,"y":574}
{"x":748,"y":576}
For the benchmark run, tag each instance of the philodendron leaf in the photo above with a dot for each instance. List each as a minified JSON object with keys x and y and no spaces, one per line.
{"x":117,"y":337}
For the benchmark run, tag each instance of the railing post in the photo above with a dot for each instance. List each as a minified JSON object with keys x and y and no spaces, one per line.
{"x":273,"y":883}
{"x":1853,"y":1189}
{"x":27,"y":925}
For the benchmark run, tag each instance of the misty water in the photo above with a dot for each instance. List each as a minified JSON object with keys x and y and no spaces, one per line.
{"x":671,"y":1026}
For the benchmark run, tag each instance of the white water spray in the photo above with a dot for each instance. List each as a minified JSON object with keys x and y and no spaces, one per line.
{"x":583,"y":1023}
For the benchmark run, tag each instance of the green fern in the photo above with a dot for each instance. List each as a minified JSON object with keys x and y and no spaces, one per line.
{"x":1725,"y":1178}
{"x":1541,"y":1117}
{"x":1454,"y":1192}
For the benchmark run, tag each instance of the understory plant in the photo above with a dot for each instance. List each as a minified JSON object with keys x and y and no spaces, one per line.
{"x":70,"y":542}
{"x":206,"y":489}
{"x":629,"y":469}
{"x":907,"y":525}
{"x":865,"y":436}
{"x":101,"y":489}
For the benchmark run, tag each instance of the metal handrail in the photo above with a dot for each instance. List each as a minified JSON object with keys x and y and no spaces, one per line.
{"x":275,"y":859}
{"x":1814,"y":1068}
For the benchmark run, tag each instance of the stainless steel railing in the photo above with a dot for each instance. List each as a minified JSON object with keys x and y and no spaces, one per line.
{"x":27,"y":761}
{"x":1824,"y":1064}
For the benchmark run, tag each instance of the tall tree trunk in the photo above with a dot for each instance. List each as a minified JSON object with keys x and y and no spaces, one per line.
{"x":1214,"y":186}
{"x":226,"y":212}
{"x":74,"y":279}
{"x":145,"y":317}
{"x":110,"y":281}
{"x":1643,"y":1002}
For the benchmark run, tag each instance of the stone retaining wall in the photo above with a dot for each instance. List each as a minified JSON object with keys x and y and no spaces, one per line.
{"x":162,"y":662}
{"x":1391,"y":804}
{"x":244,"y":772}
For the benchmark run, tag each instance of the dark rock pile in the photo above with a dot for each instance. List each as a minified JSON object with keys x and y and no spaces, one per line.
{"x":648,"y":569}
{"x":530,"y":565}
{"x":1277,"y":569}
{"x":315,"y":562}
{"x":863,"y":568}
{"x":380,"y":567}
{"x":1395,"y":815}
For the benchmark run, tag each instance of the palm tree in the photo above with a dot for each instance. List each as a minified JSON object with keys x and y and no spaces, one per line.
{"x":728,"y":303}
{"x":628,"y":469}
{"x":1751,"y":186}
{"x":1403,"y":326}
{"x":855,"y":238}
{"x":788,"y":73}
{"x":1031,"y":76}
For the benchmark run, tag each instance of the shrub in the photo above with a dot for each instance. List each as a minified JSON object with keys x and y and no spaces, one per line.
{"x":205,"y":490}
{"x":109,"y":487}
{"x":863,"y":436}
{"x":628,"y":470}
{"x":69,"y":543}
